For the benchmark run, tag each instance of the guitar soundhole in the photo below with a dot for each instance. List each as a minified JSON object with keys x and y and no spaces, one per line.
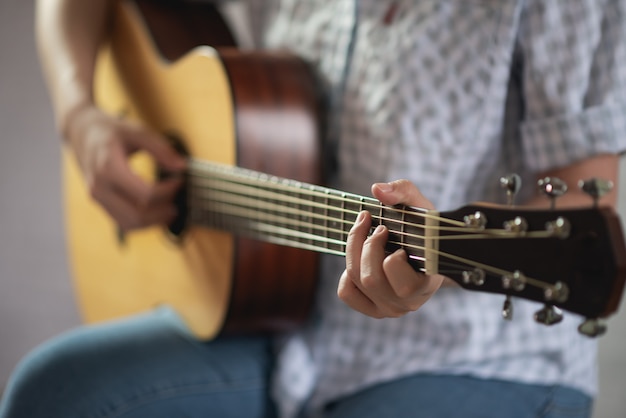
{"x":177,"y":227}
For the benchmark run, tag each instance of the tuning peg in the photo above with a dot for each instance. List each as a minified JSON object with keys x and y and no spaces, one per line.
{"x":507,"y":308}
{"x":596,"y":188}
{"x":477,"y":220}
{"x":475,"y":277}
{"x":558,"y":292}
{"x":592,"y":327}
{"x":549,"y":315}
{"x":511,"y":183}
{"x":552,"y":187}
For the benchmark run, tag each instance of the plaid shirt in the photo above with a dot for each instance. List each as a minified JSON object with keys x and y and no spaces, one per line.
{"x":450,"y":94}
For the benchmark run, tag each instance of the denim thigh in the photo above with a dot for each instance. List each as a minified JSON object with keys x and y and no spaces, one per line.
{"x":145,"y":366}
{"x":434,"y":396}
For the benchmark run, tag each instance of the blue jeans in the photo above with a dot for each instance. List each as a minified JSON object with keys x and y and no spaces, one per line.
{"x":149,"y":366}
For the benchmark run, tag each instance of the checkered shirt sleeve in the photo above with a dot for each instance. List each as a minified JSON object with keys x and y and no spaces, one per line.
{"x":574,"y":80}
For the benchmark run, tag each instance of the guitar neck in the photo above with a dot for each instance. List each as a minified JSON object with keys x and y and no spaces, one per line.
{"x":295,"y":214}
{"x":481,"y":247}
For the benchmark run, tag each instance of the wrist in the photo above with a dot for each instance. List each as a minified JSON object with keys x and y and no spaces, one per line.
{"x":70,"y":120}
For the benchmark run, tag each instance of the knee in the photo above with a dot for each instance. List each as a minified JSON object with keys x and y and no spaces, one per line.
{"x":50,"y":379}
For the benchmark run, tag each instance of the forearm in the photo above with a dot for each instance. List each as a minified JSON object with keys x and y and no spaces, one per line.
{"x":68,"y":34}
{"x":603,"y":166}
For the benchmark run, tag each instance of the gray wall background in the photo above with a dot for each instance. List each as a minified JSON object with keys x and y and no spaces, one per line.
{"x":36,"y":300}
{"x":35,"y":294}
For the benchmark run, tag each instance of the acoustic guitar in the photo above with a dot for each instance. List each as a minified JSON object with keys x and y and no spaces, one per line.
{"x":243,"y":255}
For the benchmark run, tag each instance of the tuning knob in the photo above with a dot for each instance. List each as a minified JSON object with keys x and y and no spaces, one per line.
{"x":511,"y":183}
{"x":596,"y":188}
{"x":552,"y":187}
{"x":507,"y":309}
{"x":592,"y":327}
{"x":549,"y":315}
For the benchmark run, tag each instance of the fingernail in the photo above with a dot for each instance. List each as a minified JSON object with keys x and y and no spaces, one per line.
{"x":379,"y":229}
{"x":360,"y":217}
{"x":400,"y":253}
{"x":385,"y":187}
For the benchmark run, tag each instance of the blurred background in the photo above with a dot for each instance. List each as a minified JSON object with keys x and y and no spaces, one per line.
{"x":36,"y":299}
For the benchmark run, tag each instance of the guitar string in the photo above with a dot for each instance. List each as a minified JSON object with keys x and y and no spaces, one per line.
{"x":274,"y":225}
{"x":280,"y":215}
{"x":277,"y":234}
{"x":252,"y":213}
{"x":274,"y":183}
{"x":275,"y":237}
{"x":208,"y":171}
{"x":264,"y":199}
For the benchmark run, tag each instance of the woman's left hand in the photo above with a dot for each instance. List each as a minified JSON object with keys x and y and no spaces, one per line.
{"x":380,"y":285}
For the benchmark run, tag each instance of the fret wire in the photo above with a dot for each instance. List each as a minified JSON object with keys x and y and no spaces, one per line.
{"x":361,"y":208}
{"x":402,"y":228}
{"x":309,"y":229}
{"x":343,"y":216}
{"x":326,"y":216}
{"x":311,"y":224}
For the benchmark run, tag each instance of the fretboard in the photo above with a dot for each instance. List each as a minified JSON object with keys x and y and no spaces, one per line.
{"x":294,"y":214}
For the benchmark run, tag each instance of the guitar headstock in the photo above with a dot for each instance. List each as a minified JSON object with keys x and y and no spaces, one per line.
{"x":574,"y":259}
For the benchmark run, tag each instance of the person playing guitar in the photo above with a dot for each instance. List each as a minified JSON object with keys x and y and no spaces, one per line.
{"x":428,"y":104}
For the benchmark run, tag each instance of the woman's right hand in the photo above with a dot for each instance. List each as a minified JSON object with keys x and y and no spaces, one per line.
{"x":102,"y":144}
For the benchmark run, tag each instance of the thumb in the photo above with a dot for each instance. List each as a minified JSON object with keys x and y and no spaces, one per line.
{"x":164,"y":154}
{"x":400,"y":192}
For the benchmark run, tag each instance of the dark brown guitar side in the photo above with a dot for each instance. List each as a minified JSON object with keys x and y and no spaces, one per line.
{"x":273,"y":285}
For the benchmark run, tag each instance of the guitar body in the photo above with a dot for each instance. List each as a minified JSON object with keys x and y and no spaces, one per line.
{"x":250,"y":109}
